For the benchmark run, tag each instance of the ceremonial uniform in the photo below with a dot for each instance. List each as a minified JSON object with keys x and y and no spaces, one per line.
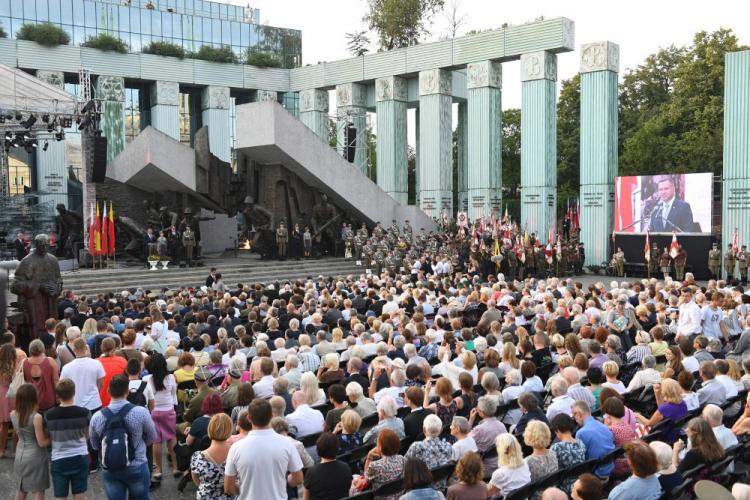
{"x":619,"y":259}
{"x":188,"y":241}
{"x":282,"y":238}
{"x":743,"y":259}
{"x":729,"y":262}
{"x":665,"y":263}
{"x":653,"y":263}
{"x":679,"y":264}
{"x":408,"y":232}
{"x":714,"y":261}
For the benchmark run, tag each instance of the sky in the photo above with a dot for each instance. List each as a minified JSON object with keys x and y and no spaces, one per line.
{"x":639,"y":27}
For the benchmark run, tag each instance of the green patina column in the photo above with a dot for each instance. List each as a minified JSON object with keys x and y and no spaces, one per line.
{"x":599,"y":67}
{"x":390,"y":106}
{"x":111,"y":91}
{"x":215,"y":106}
{"x":165,"y":111}
{"x":735,"y":200}
{"x":462,"y":157}
{"x":484,"y":178}
{"x":51,"y":173}
{"x":351,"y":100}
{"x":313,"y":111}
{"x":435,"y":142}
{"x":538,"y":142}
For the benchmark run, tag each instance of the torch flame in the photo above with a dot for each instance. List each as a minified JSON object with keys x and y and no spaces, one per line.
{"x":246,"y":245}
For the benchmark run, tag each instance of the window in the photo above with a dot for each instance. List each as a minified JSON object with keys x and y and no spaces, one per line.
{"x":132,"y":114}
{"x":123,"y":18}
{"x":19,"y":170}
{"x":78,"y":12}
{"x":146,"y":21}
{"x":66,"y":11}
{"x":184,"y":107}
{"x":29,"y":11}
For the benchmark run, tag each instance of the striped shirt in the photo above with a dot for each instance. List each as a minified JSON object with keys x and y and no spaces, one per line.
{"x":67,"y":429}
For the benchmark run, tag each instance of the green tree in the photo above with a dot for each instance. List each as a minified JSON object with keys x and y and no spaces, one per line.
{"x":262,"y":59}
{"x":511,"y":150}
{"x":165,"y":49}
{"x":46,"y":34}
{"x":3,"y":34}
{"x":107,"y":42}
{"x":357,"y":43}
{"x":400,"y":23}
{"x":568,"y":141}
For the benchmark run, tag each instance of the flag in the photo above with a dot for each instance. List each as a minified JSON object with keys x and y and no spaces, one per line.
{"x":496,"y":252}
{"x":578,"y":215}
{"x":548,"y":252}
{"x":111,"y":227}
{"x":105,"y":232}
{"x":559,"y":248}
{"x":98,"y":246}
{"x":505,"y":217}
{"x":92,"y":232}
{"x":551,"y":234}
{"x":736,"y":240}
{"x":674,"y":248}
{"x":647,"y":249}
{"x":624,"y":211}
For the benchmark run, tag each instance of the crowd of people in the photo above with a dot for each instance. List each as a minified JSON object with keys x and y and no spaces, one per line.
{"x":439,"y":377}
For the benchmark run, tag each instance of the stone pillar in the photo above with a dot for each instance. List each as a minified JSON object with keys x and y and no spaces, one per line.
{"x":735,"y":202}
{"x":599,"y":67}
{"x":463,"y":157}
{"x":538,"y":142}
{"x":416,"y":157}
{"x":390,"y":106}
{"x":165,"y":109}
{"x":215,"y":107}
{"x":51,"y":171}
{"x":435,"y":141}
{"x":484,"y":178}
{"x":350,"y":103}
{"x":266,"y":95}
{"x":111,"y":91}
{"x":313,"y":111}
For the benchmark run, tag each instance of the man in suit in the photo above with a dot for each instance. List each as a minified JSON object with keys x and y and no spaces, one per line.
{"x":414,"y":398}
{"x":20,"y":247}
{"x":670,"y":214}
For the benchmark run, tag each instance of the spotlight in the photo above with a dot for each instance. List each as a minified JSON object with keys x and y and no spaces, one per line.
{"x":85,"y":122}
{"x":8,"y":135}
{"x":67,"y":122}
{"x":60,"y":135}
{"x":19,"y":116}
{"x":31,"y":120}
{"x":88,"y":106}
{"x":51,"y":126}
{"x":46,"y":145}
{"x":45,"y":118}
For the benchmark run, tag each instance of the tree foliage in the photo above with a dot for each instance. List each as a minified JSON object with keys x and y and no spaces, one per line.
{"x":401,"y":23}
{"x":262,"y":59}
{"x":164,"y":49}
{"x":46,"y":34}
{"x":3,"y":34}
{"x":568,"y":139}
{"x":106,"y":41}
{"x":358,"y":43}
{"x":223,"y":54}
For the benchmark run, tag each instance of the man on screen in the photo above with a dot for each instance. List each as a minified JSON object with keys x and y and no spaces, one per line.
{"x":670,"y":214}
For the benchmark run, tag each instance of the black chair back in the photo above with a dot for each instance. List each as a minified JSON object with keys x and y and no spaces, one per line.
{"x":390,"y":488}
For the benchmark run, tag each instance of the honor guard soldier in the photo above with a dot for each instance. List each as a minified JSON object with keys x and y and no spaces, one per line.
{"x":743,"y":259}
{"x":653,"y":263}
{"x":714,"y":261}
{"x":408,"y":232}
{"x":619,"y":259}
{"x":282,"y":238}
{"x":729,"y":261}
{"x":378,"y":232}
{"x":679,"y":263}
{"x":665,"y":262}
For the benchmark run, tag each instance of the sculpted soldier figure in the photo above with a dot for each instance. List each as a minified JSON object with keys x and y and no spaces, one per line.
{"x":679,"y":263}
{"x":729,"y":262}
{"x":256,"y":217}
{"x":152,"y":214}
{"x":323,"y":214}
{"x":38,"y":283}
{"x":714,"y":261}
{"x":167,"y":218}
{"x":69,"y":228}
{"x":743,"y":259}
{"x":282,"y":237}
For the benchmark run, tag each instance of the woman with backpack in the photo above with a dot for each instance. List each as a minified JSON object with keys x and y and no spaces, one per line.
{"x":164,"y":386}
{"x":31,"y":465}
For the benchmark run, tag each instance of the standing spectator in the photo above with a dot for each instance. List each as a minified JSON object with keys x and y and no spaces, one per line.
{"x":470,"y":485}
{"x":595,"y":435}
{"x":689,"y":318}
{"x":383,"y":462}
{"x":644,"y":483}
{"x":68,"y":425}
{"x":113,"y":364}
{"x":31,"y":466}
{"x":330,"y":479}
{"x":164,"y":387}
{"x":207,"y":466}
{"x":41,"y":372}
{"x":134,"y":480}
{"x":257,"y":466}
{"x":512,"y":472}
{"x":8,"y":368}
{"x":65,"y":352}
{"x":88,"y":376}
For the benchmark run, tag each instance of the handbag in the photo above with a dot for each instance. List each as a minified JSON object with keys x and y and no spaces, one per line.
{"x":15,"y":383}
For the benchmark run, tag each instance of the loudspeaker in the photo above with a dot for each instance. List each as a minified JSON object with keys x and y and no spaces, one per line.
{"x":350,"y":139}
{"x":99,"y":172}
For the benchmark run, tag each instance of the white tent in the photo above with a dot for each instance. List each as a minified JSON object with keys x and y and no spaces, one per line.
{"x":20,"y":91}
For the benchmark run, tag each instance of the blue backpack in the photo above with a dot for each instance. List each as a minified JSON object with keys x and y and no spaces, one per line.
{"x":117,"y":447}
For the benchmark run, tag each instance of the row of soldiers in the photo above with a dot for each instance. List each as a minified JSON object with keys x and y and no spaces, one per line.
{"x":537,"y":261}
{"x":659,"y":261}
{"x":732,"y":259}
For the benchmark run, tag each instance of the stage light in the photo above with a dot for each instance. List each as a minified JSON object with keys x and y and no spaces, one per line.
{"x":67,"y":122}
{"x":8,"y":136}
{"x":60,"y":135}
{"x":31,"y":120}
{"x":88,"y":106}
{"x":19,"y":116}
{"x":46,"y":145}
{"x":45,"y":118}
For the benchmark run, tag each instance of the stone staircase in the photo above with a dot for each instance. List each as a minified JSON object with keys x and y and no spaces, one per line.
{"x":244,"y":269}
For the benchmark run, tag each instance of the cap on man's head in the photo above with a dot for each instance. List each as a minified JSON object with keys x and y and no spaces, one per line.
{"x":202,"y":375}
{"x":235,"y":373}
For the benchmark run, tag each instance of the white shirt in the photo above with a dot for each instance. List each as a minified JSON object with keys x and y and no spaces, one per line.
{"x":85,"y":372}
{"x":689,"y":321}
{"x":460,"y":448}
{"x":642,"y":378}
{"x":728,"y":384}
{"x":619,"y":386}
{"x":690,"y":364}
{"x":560,"y":404}
{"x":397,"y":393}
{"x":134,"y":385}
{"x":164,"y":400}
{"x":307,"y":420}
{"x":260,"y":462}
{"x":263,"y":388}
{"x":139,"y":336}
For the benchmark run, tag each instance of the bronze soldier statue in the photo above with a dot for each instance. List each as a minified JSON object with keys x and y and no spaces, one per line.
{"x":69,"y":228}
{"x":323,"y":213}
{"x":258,"y":226}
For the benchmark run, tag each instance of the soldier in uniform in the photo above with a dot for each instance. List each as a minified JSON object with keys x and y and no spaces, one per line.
{"x":743,"y":259}
{"x":346,"y":239}
{"x":581,"y":258}
{"x":714,"y":261}
{"x":189,"y":242}
{"x":390,"y":264}
{"x":408,"y":232}
{"x":282,"y":238}
{"x":358,"y":244}
{"x":653,"y":263}
{"x":363,"y":232}
{"x":530,"y":263}
{"x":679,"y":263}
{"x":619,"y":259}
{"x":729,"y":262}
{"x":394,"y":228}
{"x":665,"y":262}
{"x":512,"y":260}
{"x":378,"y":231}
{"x":377,"y":263}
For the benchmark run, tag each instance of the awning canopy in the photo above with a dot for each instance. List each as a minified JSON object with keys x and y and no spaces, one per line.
{"x":20,"y":91}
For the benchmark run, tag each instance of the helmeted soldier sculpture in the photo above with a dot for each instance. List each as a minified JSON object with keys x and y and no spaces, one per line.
{"x":259,"y":227}
{"x":324,"y":229}
{"x":69,"y":228}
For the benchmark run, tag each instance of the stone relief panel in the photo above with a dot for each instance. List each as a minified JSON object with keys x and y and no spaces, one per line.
{"x":435,"y":81}
{"x":351,"y":94}
{"x":600,"y":56}
{"x":540,"y":65}
{"x":110,"y":88}
{"x":266,"y":95}
{"x":390,"y":88}
{"x":54,"y":78}
{"x":484,"y":74}
{"x":215,"y":98}
{"x":166,"y":93}
{"x":313,"y":100}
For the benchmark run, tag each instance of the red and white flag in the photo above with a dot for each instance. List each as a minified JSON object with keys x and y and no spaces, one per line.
{"x":674,"y":248}
{"x":736,"y":240}
{"x":549,"y":252}
{"x":105,"y":232}
{"x":647,"y":249}
{"x":92,"y":231}
{"x":559,"y":248}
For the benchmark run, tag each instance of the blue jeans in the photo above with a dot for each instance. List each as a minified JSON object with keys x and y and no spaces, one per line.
{"x":132,"y":483}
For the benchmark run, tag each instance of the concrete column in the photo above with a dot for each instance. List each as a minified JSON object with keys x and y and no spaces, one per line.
{"x":51,"y":171}
{"x":735,"y":204}
{"x":266,"y":95}
{"x":313,"y":111}
{"x":165,"y":109}
{"x":390,"y":106}
{"x":416,"y":157}
{"x":435,"y":138}
{"x":351,"y":100}
{"x":463,"y":157}
{"x":484,"y":178}
{"x":538,"y":142}
{"x":111,"y":90}
{"x":599,"y":68}
{"x":215,"y":107}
